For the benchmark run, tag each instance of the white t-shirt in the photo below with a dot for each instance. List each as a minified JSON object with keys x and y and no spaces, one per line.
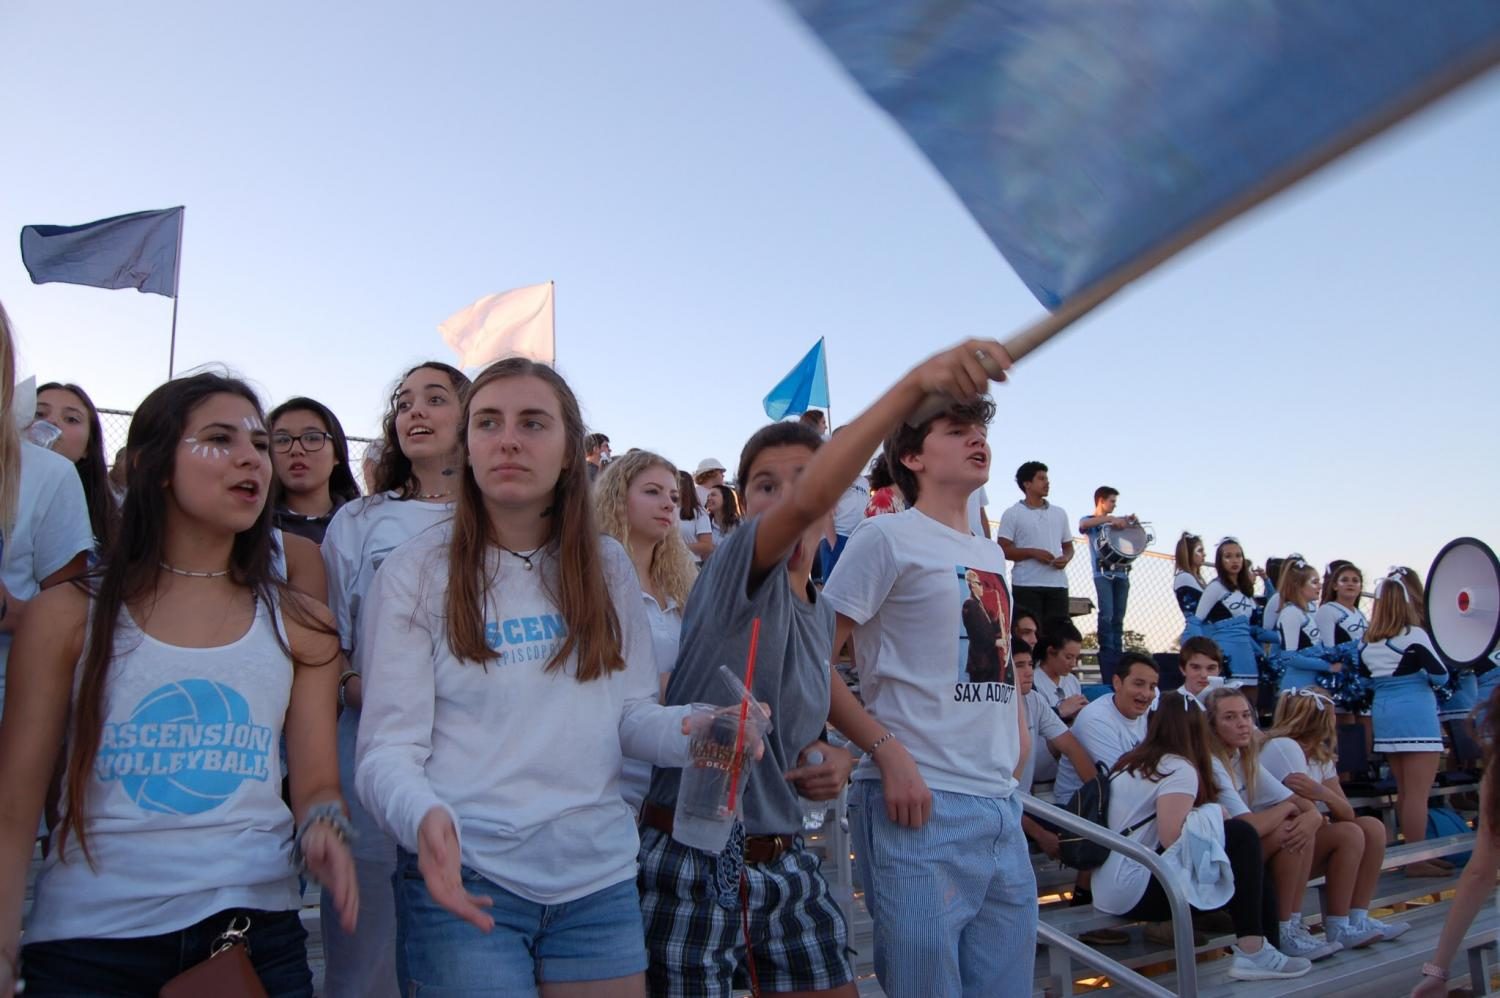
{"x":1282,"y":757}
{"x":1055,"y":691}
{"x":850,"y":511}
{"x":1121,"y":882}
{"x":666,"y":637}
{"x":1338,"y":623}
{"x":692,"y":529}
{"x":1105,"y":734}
{"x":1046,"y":528}
{"x":358,"y":540}
{"x":526,"y":760}
{"x":1045,"y":725}
{"x":978,"y":499}
{"x":1232,"y":793}
{"x":930,"y":651}
{"x":52,"y":528}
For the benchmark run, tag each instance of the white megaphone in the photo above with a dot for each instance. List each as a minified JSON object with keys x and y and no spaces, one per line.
{"x":1463,"y":604}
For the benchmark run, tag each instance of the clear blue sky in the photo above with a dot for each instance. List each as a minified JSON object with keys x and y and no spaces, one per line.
{"x":711,"y":196}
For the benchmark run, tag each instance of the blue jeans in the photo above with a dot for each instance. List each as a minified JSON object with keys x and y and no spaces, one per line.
{"x":598,"y":937}
{"x":953,"y":902}
{"x":96,"y":968}
{"x":1114,"y":592}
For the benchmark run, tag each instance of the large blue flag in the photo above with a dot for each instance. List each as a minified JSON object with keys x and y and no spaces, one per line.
{"x":1087,"y":136}
{"x":128,"y":251}
{"x":806,"y":387}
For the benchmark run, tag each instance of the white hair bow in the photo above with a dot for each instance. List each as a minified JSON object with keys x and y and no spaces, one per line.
{"x":1317,"y":697}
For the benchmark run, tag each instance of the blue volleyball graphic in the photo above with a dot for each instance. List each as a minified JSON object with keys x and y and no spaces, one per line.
{"x":198,"y":779}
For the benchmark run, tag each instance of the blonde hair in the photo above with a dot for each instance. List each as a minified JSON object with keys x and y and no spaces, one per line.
{"x":672,"y":569}
{"x":1299,"y":718}
{"x":10,"y":434}
{"x":1249,"y":755}
{"x":1398,"y":605}
{"x":1294,"y":576}
{"x":1185,"y":545}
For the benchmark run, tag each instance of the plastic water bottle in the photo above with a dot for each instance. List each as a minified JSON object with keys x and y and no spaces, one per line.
{"x":813,"y":811}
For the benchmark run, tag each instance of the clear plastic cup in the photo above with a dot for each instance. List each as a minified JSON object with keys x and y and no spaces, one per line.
{"x":43,"y":433}
{"x":705,"y":813}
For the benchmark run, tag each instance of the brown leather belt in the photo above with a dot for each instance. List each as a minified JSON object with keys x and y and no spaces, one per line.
{"x":759,"y":849}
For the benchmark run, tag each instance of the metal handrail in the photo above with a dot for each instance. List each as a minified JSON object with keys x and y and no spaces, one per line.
{"x":1182,"y":917}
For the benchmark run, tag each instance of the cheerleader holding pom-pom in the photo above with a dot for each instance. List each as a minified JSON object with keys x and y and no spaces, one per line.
{"x":1304,"y":660}
{"x":1406,"y":672}
{"x":1341,"y":622}
{"x":1224,"y":612}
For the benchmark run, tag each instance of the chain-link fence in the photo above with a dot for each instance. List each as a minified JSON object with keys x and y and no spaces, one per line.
{"x":1152,"y":619}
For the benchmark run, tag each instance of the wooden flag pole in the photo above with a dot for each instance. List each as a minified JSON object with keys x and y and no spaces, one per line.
{"x":176,"y":290}
{"x":1090,"y":298}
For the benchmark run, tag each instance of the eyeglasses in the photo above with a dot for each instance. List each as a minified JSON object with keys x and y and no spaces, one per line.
{"x":310,"y":440}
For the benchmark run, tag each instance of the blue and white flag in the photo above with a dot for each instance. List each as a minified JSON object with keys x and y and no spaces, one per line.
{"x":804,"y":388}
{"x":128,"y":251}
{"x":1084,"y":137}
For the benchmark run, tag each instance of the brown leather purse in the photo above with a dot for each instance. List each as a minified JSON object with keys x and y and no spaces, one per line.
{"x":227,"y":973}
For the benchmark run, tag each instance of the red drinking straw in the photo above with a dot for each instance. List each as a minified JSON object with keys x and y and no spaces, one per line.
{"x":739,"y":738}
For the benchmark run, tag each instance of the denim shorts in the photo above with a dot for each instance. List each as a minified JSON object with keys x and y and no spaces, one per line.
{"x":594,"y":938}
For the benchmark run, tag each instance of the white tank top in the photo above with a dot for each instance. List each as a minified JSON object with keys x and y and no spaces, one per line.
{"x":185,"y":814}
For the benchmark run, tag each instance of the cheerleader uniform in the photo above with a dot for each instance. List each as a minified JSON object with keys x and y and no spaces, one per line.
{"x":1487,"y":677}
{"x":1223,"y":614}
{"x":1303,"y":660}
{"x":1189,"y":591}
{"x":1405,"y":671}
{"x":1462,"y":694}
{"x":1339,"y":625}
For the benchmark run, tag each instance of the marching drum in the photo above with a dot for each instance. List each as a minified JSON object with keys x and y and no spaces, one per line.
{"x":1119,"y":546}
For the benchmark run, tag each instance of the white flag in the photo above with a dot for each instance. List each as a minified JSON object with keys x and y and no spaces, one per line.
{"x":509,"y":324}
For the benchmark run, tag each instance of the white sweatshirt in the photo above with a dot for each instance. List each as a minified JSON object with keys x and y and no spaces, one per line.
{"x":525,"y":760}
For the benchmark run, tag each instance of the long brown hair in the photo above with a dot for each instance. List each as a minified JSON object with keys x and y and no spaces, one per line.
{"x":1178,"y":728}
{"x":132,"y":567}
{"x":1336,"y":568}
{"x":93,"y":470}
{"x":1245,"y":581}
{"x":1398,"y":605}
{"x":1184,"y":555}
{"x":10,"y":436}
{"x":1249,"y":755}
{"x":578,"y":588}
{"x":393,"y":470}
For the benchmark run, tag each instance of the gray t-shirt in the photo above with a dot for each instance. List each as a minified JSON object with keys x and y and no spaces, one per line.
{"x":791,"y":673}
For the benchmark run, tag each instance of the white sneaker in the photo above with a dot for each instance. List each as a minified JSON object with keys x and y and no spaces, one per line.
{"x":1299,"y":942}
{"x":1355,"y":937}
{"x":1387,"y":930}
{"x":1267,"y":965}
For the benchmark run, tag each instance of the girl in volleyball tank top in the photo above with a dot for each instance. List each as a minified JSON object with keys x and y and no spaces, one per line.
{"x":173,"y":675}
{"x":412,"y":490}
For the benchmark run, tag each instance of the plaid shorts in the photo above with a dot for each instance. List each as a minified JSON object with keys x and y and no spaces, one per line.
{"x":798,"y":937}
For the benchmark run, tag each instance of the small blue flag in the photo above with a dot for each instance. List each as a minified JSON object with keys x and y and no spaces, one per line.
{"x":806,"y":387}
{"x":1087,"y":137}
{"x":128,"y":251}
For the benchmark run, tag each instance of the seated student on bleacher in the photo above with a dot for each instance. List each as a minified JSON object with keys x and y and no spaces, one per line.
{"x":1058,"y":650}
{"x":1156,"y":785}
{"x":1050,"y":739}
{"x":1299,"y":751}
{"x":1113,"y":725}
{"x":1286,"y":823}
{"x":1202,"y":666}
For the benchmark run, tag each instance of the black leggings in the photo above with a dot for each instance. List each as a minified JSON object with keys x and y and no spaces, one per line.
{"x":1253,"y":906}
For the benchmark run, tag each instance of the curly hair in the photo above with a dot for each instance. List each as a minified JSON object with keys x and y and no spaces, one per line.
{"x":673,"y":571}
